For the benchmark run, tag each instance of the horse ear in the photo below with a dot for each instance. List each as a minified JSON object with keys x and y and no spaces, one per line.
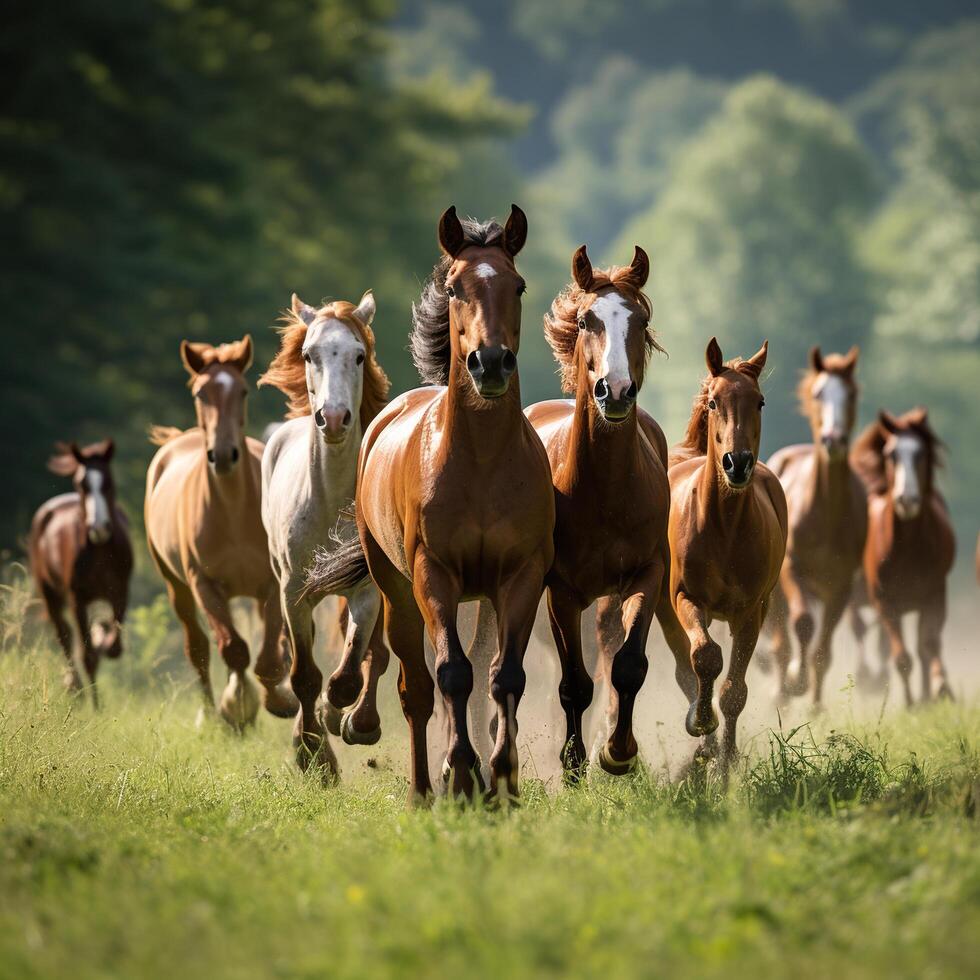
{"x":451,"y":237}
{"x":639,"y":268}
{"x":244,"y":360}
{"x":193,"y":356}
{"x":582,"y":269}
{"x":888,"y":421}
{"x":515,"y":231}
{"x":757,"y":361}
{"x":110,"y":449}
{"x":851,"y":359}
{"x":816,"y":359}
{"x":76,"y":452}
{"x":714,"y":358}
{"x":306,"y":313}
{"x":366,"y":308}
{"x":63,"y":462}
{"x":919,"y":416}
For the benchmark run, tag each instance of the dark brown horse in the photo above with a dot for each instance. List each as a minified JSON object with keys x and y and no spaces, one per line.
{"x":727,"y":532}
{"x":910,"y":546}
{"x":609,"y":467}
{"x":80,"y":555}
{"x":454,"y":500}
{"x":828,"y":524}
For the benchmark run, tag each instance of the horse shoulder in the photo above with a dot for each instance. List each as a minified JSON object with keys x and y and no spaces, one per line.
{"x":788,"y":457}
{"x":776,"y":496}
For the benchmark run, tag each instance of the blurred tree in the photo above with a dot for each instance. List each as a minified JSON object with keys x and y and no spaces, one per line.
{"x":754,"y":238}
{"x":179,"y":167}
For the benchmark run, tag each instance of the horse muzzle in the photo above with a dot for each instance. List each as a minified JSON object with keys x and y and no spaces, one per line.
{"x":333,"y":422}
{"x":835,"y":445}
{"x":738,"y":468}
{"x":224,"y":459}
{"x":491,"y":369}
{"x":907,"y":508}
{"x":614,"y":401}
{"x":99,"y":533}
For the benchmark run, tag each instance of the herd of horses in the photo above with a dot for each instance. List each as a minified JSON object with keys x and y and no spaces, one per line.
{"x":459,"y":494}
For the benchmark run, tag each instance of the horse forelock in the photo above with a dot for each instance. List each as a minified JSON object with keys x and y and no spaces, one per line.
{"x":429,"y":341}
{"x":561,"y":328}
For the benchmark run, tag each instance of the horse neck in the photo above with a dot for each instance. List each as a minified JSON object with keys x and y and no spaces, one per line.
{"x":486,"y":428}
{"x":829,"y":484}
{"x":330,"y":464}
{"x":597,"y":447}
{"x":231,"y":489}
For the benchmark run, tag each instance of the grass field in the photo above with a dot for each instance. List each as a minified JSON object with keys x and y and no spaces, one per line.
{"x":133,"y":844}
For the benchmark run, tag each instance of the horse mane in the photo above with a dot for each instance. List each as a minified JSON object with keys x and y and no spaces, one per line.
{"x":868,"y":453}
{"x":695,"y":441}
{"x":429,"y":339}
{"x":832,"y":364}
{"x":287,"y":370}
{"x":561,"y":321}
{"x":160,"y":435}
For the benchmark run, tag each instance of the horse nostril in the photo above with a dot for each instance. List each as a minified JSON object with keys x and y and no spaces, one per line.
{"x":473,"y":362}
{"x":347,"y":417}
{"x":601,"y":390}
{"x":318,"y":418}
{"x":210,"y":455}
{"x":728,"y":462}
{"x":234,"y":455}
{"x":509,"y":362}
{"x":631,"y":392}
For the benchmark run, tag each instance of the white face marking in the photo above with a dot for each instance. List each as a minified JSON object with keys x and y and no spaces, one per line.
{"x":223,"y":379}
{"x":96,"y":506}
{"x":333,"y":376}
{"x":906,"y":490}
{"x":614,"y":313}
{"x":832,"y":393}
{"x":485,"y":271}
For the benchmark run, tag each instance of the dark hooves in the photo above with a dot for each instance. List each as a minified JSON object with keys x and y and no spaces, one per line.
{"x":574,"y":764}
{"x":698,"y":726}
{"x":475,"y":773}
{"x":613,"y":766}
{"x":352,"y":736}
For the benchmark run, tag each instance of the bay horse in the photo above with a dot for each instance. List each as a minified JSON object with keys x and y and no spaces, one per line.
{"x":828,"y":524}
{"x":609,"y":467}
{"x":910,"y":546}
{"x":727,"y":531}
{"x":454,"y":501}
{"x":204,"y":531}
{"x":80,"y":555}
{"x":327,"y":368}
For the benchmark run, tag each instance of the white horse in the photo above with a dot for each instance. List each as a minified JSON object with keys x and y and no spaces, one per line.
{"x":326,"y":366}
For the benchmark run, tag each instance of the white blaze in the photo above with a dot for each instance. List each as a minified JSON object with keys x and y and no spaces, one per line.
{"x":833,"y":396}
{"x":485,"y":271}
{"x":612,"y":310}
{"x":96,"y":506}
{"x":224,"y":380}
{"x":907,"y":448}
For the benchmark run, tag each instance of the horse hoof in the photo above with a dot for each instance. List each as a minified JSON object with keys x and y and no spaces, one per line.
{"x":698,"y":726}
{"x":352,"y":736}
{"x":239,"y":701}
{"x":795,"y":684}
{"x":331,"y":717}
{"x":574,"y":763}
{"x":945,"y":693}
{"x":475,"y":774}
{"x":72,"y":682}
{"x":280,"y":701}
{"x":615,"y":767}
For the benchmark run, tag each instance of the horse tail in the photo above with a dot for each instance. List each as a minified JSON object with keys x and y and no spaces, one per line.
{"x":340,"y":566}
{"x":160,"y":435}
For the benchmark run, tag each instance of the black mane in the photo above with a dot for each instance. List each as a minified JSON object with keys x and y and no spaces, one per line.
{"x":429,"y":339}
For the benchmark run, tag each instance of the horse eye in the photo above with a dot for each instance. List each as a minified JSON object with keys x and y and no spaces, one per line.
{"x":360,"y":358}
{"x":581,"y":323}
{"x":450,"y":291}
{"x":711,"y":404}
{"x":306,"y":356}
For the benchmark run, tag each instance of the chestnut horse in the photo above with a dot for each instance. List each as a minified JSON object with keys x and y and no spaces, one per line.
{"x":609,"y":467}
{"x":828,"y":524}
{"x":327,"y":368}
{"x":80,"y":555}
{"x":205,"y":534}
{"x":910,"y":546}
{"x":727,"y":530}
{"x":454,"y":500}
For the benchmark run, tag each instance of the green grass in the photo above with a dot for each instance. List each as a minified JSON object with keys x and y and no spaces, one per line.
{"x":134,"y":845}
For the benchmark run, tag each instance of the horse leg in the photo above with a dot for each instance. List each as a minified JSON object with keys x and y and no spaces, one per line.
{"x":801,"y":619}
{"x":362,"y":724}
{"x":54,"y":603}
{"x":781,"y":648}
{"x":482,"y":650}
{"x":891,"y":622}
{"x":516,"y":605}
{"x":832,"y":611}
{"x":734,"y":691}
{"x":706,"y":662}
{"x":862,"y":676}
{"x":90,"y":654}
{"x":345,"y":684}
{"x":437,"y":595}
{"x":609,"y":636}
{"x":313,"y":751}
{"x":270,"y":665}
{"x":195,"y":639}
{"x":576,"y":687}
{"x":932,"y":618}
{"x":629,"y":669}
{"x":239,"y":701}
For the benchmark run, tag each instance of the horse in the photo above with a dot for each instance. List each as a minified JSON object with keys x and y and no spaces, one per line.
{"x":454,"y":502}
{"x":205,"y":535}
{"x":80,"y":554}
{"x":727,"y":532}
{"x":327,"y":368}
{"x":608,"y":463}
{"x":828,"y":523}
{"x":910,"y":546}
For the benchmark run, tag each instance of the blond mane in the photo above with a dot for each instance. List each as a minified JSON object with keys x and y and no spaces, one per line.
{"x":561,"y":322}
{"x":287,"y":371}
